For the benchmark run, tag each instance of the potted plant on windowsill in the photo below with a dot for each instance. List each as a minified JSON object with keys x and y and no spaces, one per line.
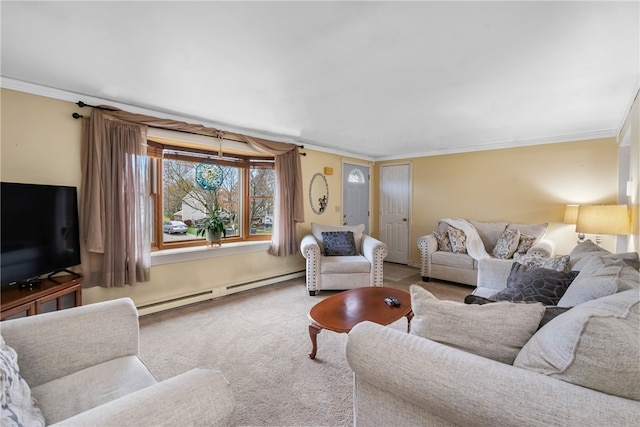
{"x":212,"y":228}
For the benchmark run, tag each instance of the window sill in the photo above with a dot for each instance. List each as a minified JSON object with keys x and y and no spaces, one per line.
{"x":168,"y":256}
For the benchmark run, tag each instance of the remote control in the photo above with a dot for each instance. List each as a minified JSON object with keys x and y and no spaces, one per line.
{"x":392,"y":302}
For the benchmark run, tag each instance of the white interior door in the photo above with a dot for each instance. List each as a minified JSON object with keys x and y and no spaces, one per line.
{"x":355,"y":195}
{"x":395,"y":184}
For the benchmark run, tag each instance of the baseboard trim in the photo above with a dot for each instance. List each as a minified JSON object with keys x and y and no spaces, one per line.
{"x":214,"y":293}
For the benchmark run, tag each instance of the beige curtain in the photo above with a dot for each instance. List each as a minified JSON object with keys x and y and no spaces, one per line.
{"x":289,"y":197}
{"x":114,"y":209}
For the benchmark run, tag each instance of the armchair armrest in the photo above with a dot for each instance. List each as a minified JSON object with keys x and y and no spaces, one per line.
{"x":310,"y":250}
{"x":432,"y":378}
{"x":309,"y":246}
{"x":54,"y":345}
{"x":197,"y":397}
{"x":493,"y":274}
{"x":427,"y":244}
{"x":543,"y":248}
{"x":375,"y":251}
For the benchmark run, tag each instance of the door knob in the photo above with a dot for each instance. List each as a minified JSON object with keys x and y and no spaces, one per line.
{"x":405,"y":219}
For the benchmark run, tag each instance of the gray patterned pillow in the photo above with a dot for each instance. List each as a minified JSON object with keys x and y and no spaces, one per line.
{"x":559,"y":263}
{"x":339,"y":243}
{"x":18,"y":407}
{"x":507,"y":244}
{"x":444,"y":244}
{"x":458,"y":240}
{"x":526,"y":241}
{"x":535,"y":284}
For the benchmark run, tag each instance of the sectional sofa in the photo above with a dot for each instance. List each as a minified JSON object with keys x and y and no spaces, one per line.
{"x":506,"y":363}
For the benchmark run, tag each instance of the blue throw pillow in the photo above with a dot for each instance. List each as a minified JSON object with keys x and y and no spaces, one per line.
{"x":339,"y":243}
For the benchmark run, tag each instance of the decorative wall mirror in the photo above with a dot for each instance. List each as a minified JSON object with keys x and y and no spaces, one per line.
{"x":318,"y":193}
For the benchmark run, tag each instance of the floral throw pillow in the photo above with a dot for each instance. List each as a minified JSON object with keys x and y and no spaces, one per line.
{"x":444,"y":244}
{"x":559,"y":263}
{"x":507,"y":244}
{"x":526,"y":241}
{"x":18,"y":407}
{"x":458,"y":240}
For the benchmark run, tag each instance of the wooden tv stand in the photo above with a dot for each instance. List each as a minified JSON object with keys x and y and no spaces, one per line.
{"x":16,"y":300}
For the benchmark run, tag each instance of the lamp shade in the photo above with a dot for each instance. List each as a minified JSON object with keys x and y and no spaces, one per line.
{"x":571,"y":214}
{"x":603,"y":219}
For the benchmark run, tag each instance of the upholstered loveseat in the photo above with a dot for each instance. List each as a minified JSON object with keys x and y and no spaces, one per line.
{"x":494,"y":364}
{"x":342,"y":257}
{"x":454,"y":250}
{"x":82,"y":367}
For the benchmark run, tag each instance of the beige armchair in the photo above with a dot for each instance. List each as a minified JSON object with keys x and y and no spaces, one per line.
{"x":339,"y":272}
{"x":82,"y":366}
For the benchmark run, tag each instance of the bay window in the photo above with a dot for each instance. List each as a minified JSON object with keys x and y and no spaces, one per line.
{"x":189,"y":182}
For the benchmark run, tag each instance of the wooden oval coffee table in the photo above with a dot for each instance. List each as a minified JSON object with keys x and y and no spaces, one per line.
{"x":342,"y":311}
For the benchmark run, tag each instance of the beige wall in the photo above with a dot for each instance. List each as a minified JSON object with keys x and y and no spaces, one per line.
{"x":525,"y":185}
{"x":41,"y":144}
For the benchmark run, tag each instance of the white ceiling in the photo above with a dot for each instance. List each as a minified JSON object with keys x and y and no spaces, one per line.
{"x":376,"y":79}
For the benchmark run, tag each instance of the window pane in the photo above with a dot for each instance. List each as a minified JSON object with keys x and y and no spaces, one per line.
{"x":261,"y":189}
{"x":356,"y":176}
{"x":185,"y":201}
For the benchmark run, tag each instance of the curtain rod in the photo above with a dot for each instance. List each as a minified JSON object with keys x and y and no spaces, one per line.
{"x":83,"y":104}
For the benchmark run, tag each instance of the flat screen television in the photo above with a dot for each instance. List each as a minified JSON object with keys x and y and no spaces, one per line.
{"x":40,"y":234}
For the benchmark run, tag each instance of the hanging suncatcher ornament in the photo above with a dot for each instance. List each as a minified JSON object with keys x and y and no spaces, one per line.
{"x":209,"y":176}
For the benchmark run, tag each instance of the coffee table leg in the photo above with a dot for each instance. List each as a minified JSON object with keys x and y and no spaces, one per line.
{"x":409,"y":317}
{"x":314,"y":330}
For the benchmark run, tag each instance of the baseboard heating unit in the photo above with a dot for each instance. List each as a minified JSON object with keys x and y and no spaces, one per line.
{"x":210,"y":294}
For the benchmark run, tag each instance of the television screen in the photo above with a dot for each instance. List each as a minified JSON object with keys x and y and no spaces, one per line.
{"x":39,"y":225}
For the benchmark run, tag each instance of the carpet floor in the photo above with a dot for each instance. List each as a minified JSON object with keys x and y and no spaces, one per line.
{"x":259,"y":340}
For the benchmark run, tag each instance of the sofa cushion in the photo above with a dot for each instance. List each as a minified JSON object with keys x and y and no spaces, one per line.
{"x":536,"y":230}
{"x":458,"y":240}
{"x":451,"y":259}
{"x":594,"y":345}
{"x":345,"y":264}
{"x":489,"y":232}
{"x":17,"y":406}
{"x":535,"y":284}
{"x":507,"y":244}
{"x":582,"y":250}
{"x":496,"y":331}
{"x":598,"y":278}
{"x":358,"y":232}
{"x":339,"y":243}
{"x":585,"y":251}
{"x":558,"y":263}
{"x":442,"y":237}
{"x":92,"y":387}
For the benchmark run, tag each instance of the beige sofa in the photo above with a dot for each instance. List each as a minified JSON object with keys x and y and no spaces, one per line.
{"x":83,"y":369}
{"x":481,"y":236}
{"x":579,"y":369}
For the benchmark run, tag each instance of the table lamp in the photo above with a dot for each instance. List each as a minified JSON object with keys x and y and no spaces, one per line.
{"x":603,"y":219}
